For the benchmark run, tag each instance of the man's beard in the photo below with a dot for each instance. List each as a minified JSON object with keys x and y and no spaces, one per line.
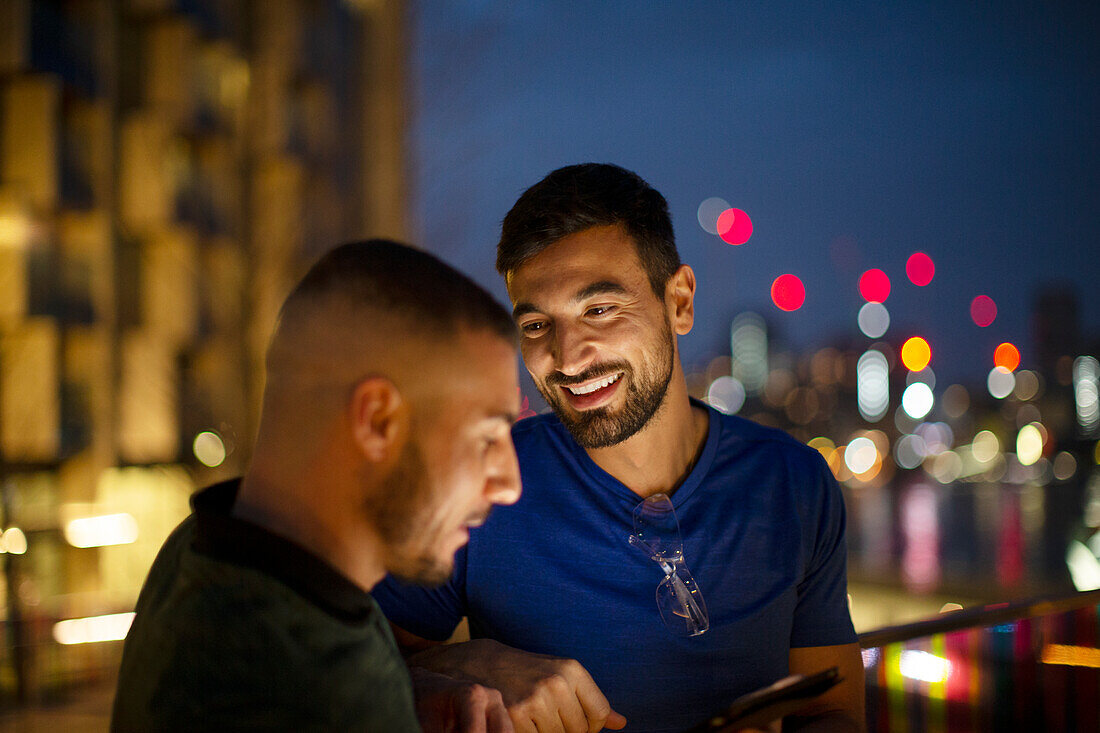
{"x":399,"y":512}
{"x":646,"y":388}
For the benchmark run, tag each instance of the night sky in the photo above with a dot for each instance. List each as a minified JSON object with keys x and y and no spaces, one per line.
{"x":853,"y":134}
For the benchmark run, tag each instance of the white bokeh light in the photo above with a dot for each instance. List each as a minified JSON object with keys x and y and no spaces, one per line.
{"x":917,"y":400}
{"x":860,"y":455}
{"x":1001,"y":382}
{"x":708,"y":214}
{"x":726,"y":394}
{"x":873,"y":320}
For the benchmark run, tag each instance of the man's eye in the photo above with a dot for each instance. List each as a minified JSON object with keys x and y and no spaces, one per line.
{"x":600,"y":310}
{"x":533,"y":327}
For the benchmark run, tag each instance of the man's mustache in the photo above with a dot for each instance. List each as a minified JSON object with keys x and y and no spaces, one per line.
{"x":596,"y":370}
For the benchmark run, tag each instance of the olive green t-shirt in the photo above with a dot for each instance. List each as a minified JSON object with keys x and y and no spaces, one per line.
{"x":239,"y":629}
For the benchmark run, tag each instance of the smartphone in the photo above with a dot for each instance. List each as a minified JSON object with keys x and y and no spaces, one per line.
{"x":758,"y":708}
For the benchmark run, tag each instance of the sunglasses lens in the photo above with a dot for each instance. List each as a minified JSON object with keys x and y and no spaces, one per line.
{"x":657,"y":530}
{"x":682,"y":607}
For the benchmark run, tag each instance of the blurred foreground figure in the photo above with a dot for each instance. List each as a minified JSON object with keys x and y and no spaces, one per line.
{"x":665,"y":558}
{"x":384,"y":436}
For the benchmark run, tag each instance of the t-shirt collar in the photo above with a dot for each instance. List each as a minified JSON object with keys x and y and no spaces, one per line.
{"x":690,"y":483}
{"x":222,"y":536}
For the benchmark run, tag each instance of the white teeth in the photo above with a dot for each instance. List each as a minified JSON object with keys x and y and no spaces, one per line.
{"x":592,"y":387}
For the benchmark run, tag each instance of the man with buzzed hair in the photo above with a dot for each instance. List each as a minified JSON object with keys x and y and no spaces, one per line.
{"x":384,"y":437}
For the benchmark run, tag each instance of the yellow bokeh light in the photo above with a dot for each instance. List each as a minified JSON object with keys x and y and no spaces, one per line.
{"x":13,"y":541}
{"x":1069,"y":655}
{"x":101,"y":531}
{"x":916,"y":354}
{"x":1029,"y":444}
{"x":823,"y":445}
{"x":112,"y":627}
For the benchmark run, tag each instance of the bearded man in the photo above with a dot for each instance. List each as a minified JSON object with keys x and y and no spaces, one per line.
{"x":384,"y":438}
{"x":635,"y":493}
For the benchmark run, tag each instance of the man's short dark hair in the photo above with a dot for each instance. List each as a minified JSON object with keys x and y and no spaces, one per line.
{"x":404,"y":282}
{"x":578,"y":197}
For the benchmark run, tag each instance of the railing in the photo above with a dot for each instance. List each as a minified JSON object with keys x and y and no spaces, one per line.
{"x":1028,"y":665}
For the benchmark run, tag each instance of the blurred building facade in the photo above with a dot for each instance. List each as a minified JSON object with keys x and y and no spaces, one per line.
{"x":167,"y":170}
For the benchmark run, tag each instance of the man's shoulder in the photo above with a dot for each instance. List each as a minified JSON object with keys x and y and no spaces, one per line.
{"x":544,"y":429}
{"x":739,"y":434}
{"x":748,"y":431}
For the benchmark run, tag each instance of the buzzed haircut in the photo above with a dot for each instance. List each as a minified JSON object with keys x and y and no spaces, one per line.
{"x":406,"y":283}
{"x":578,"y":197}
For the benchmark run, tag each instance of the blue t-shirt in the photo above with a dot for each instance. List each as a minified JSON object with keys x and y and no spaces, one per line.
{"x":762,"y":521}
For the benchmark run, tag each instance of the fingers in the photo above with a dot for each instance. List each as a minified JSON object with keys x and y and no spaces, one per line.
{"x":614,"y":721}
{"x":566,"y":700}
{"x":481,"y":710}
{"x":596,"y":710}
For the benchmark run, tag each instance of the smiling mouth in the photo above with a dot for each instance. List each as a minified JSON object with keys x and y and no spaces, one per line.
{"x":589,"y":388}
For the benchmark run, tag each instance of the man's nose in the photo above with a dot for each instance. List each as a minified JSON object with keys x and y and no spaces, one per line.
{"x":503,"y":485}
{"x":573,"y":350}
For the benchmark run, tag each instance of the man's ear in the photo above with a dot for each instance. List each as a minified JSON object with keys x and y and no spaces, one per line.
{"x":379,"y":419}
{"x":680,"y":299}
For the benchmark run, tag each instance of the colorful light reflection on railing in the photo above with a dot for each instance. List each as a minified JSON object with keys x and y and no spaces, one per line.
{"x":1040,"y":671}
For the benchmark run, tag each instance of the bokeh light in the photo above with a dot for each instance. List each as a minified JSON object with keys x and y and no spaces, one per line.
{"x":788,"y":293}
{"x":938,"y":437}
{"x":860,"y":455}
{"x":946,"y":467}
{"x":1006,"y":356}
{"x":985,"y":446}
{"x":1027,"y":385}
{"x":909,"y":451}
{"x":112,"y":627}
{"x":917,"y":400}
{"x":1000,"y":382}
{"x":209,"y":449}
{"x":734,"y":226}
{"x":926,"y":375}
{"x":13,"y":541}
{"x":983,"y":311}
{"x":1029,"y":444}
{"x":1086,"y":393}
{"x":708,"y":213}
{"x":102,"y":530}
{"x":916,"y":354}
{"x":823,"y":445}
{"x":923,"y":666}
{"x":874,"y":286}
{"x":749,"y":351}
{"x":1065,"y":465}
{"x":873,"y":320}
{"x":920,"y":269}
{"x":872,"y":385}
{"x":956,"y":401}
{"x":726,"y":394}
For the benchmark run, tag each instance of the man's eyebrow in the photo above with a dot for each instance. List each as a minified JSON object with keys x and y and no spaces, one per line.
{"x":601,"y":287}
{"x":508,"y":416}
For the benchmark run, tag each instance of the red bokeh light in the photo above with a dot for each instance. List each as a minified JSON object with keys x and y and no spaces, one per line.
{"x":734,"y":226}
{"x":920,"y":269}
{"x":874,"y":286}
{"x":983,"y":310}
{"x":788,"y":293}
{"x":1006,"y":356}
